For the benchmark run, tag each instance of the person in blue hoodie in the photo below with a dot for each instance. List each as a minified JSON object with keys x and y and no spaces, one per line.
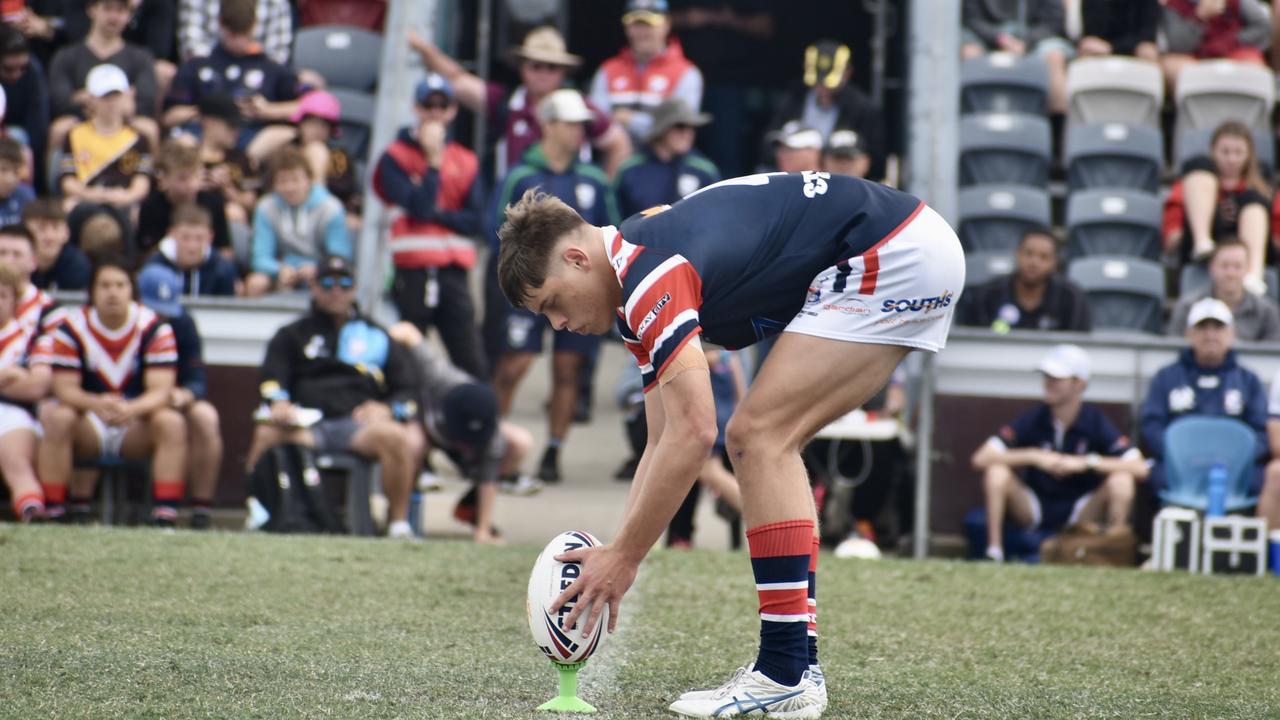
{"x":668,"y":167}
{"x":1205,"y":380}
{"x":515,"y":336}
{"x":188,"y":252}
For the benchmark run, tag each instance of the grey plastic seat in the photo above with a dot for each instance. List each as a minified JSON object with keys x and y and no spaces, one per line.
{"x":981,"y":266}
{"x":1192,"y":142}
{"x":355,"y":121}
{"x":1114,"y":222}
{"x":1004,"y":83}
{"x":1004,"y":148}
{"x":1125,"y":293}
{"x":1211,"y":92}
{"x":1114,"y":155}
{"x":347,"y":57}
{"x":994,"y":217}
{"x":1114,"y":89}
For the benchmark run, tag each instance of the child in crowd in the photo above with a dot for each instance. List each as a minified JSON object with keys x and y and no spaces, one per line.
{"x":227,"y":169}
{"x":293,"y":227}
{"x":100,"y":237}
{"x":178,"y":181}
{"x":59,"y":264}
{"x":14,"y":193}
{"x":188,"y":250}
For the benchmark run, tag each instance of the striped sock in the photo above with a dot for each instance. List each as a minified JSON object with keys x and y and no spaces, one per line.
{"x":32,"y":502}
{"x":55,"y":496}
{"x":167,"y":495}
{"x":780,"y":557}
{"x":813,"y":602}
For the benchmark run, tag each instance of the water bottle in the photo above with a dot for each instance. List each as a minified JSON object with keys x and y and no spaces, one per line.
{"x":417,"y":513}
{"x":1217,"y":491}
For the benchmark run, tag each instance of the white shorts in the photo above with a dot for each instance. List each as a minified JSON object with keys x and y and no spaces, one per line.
{"x":903,"y":291}
{"x":13,"y":418}
{"x":110,"y":437}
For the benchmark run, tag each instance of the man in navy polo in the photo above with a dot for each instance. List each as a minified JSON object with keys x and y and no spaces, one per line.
{"x":1062,"y":462}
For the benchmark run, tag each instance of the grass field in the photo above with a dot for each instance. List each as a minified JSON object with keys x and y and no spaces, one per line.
{"x":110,"y":623}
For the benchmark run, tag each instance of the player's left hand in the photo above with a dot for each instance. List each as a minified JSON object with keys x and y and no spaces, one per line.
{"x":607,"y":574}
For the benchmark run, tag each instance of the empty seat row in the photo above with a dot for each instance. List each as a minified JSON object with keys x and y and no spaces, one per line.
{"x":1107,"y":222}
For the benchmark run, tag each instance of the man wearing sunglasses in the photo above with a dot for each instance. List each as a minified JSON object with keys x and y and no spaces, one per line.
{"x":335,"y":360}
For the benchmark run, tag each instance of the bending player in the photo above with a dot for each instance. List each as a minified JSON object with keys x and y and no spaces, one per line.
{"x":853,"y":274}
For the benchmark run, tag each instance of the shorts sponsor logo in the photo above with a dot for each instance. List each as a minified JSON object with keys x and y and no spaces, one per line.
{"x":652,"y":314}
{"x":848,"y":306}
{"x":921,"y":304}
{"x":815,"y":295}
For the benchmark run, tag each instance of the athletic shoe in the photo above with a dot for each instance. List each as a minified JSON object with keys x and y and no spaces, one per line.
{"x":814,"y":673}
{"x":201,"y":520}
{"x":400,"y":530}
{"x":753,"y":693}
{"x":704,"y":694}
{"x":32,"y":513}
{"x":549,"y":468}
{"x":520,"y":485}
{"x":429,"y":482}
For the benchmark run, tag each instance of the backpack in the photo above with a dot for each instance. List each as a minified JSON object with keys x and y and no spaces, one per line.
{"x":287,"y":484}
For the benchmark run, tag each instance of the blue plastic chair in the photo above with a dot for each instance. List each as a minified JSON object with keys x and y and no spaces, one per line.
{"x":1194,"y":444}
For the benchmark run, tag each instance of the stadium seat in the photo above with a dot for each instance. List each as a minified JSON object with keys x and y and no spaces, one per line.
{"x":1125,"y":293}
{"x":1113,"y":155}
{"x":1211,"y":92}
{"x":1113,"y":222}
{"x":355,"y":122}
{"x":1114,"y":89}
{"x":1004,"y":83}
{"x":1192,"y":142}
{"x":346,"y":57}
{"x":1194,"y":444}
{"x":994,"y":217}
{"x":983,"y":265}
{"x":1194,"y":277}
{"x":1004,"y":148}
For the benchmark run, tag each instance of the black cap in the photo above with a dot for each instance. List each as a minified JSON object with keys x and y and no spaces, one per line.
{"x":334,"y":265}
{"x":825,"y":63}
{"x":221,"y":106}
{"x":470,"y":415}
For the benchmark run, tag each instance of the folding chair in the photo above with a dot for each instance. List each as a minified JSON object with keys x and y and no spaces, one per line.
{"x":1195,"y":443}
{"x":1004,"y":83}
{"x":1125,"y":293}
{"x":1114,"y":156}
{"x":1113,"y":222}
{"x":346,"y":57}
{"x":1114,"y":89}
{"x":1193,"y":142}
{"x":1004,"y":148}
{"x":984,"y":265}
{"x":1211,"y":92}
{"x":994,"y":217}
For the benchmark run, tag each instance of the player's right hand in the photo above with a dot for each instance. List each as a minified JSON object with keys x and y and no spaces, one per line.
{"x":606,"y":576}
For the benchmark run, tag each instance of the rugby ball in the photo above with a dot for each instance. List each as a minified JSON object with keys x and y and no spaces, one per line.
{"x":548,"y":579}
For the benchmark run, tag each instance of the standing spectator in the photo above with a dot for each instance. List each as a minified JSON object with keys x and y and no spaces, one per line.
{"x":178,"y":182}
{"x":294,"y":227}
{"x":1020,"y":27}
{"x":26,"y":98}
{"x":106,"y":164}
{"x":825,"y":100}
{"x":1219,"y":196}
{"x":1033,"y":297}
{"x":1060,"y":463}
{"x":227,"y":168}
{"x":335,"y":360}
{"x":14,"y":193}
{"x":1119,"y":28}
{"x":1256,"y":318}
{"x":113,"y":398}
{"x":667,"y":167}
{"x":553,"y":167}
{"x":187,"y":250}
{"x":433,"y":185}
{"x":652,"y":68}
{"x":21,"y":386}
{"x":265,"y":90}
{"x":104,"y":45}
{"x":1205,"y":380}
{"x":1194,"y":30}
{"x":197,"y":19}
{"x":511,"y":115}
{"x":159,"y":288}
{"x":59,"y":264}
{"x":846,"y":154}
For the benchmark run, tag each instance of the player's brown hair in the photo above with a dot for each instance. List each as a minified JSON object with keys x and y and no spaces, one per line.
{"x":101,"y":237}
{"x":45,"y":208}
{"x":11,"y":153}
{"x":534,"y":225}
{"x":287,"y":158}
{"x":238,"y":16}
{"x":175,"y":155}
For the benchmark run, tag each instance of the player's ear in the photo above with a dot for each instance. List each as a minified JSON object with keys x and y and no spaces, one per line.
{"x":575,"y":257}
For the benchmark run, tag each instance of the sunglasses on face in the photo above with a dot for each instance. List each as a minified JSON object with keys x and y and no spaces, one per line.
{"x":434,"y":105}
{"x":541,"y":66}
{"x":330,"y":282}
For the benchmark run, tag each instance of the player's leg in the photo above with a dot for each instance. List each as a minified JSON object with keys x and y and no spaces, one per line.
{"x":1005,"y":496}
{"x":17,"y":465}
{"x":391,"y":444}
{"x":204,"y":459}
{"x":717,"y":477}
{"x":162,"y":437}
{"x":66,"y":433}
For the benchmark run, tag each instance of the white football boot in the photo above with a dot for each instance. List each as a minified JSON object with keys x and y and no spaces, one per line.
{"x":752,"y":693}
{"x":814,"y":671}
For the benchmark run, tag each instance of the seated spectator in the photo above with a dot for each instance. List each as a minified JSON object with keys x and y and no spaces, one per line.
{"x":187,"y":250}
{"x":1194,"y":30}
{"x":1119,"y":28}
{"x":846,"y":154}
{"x":106,"y":164}
{"x":70,"y":94}
{"x":198,"y":19}
{"x":35,"y":311}
{"x":22,"y":385}
{"x":667,"y":167}
{"x":113,"y":398}
{"x":461,"y":418}
{"x":293,"y":227}
{"x":1205,"y":380}
{"x":336,"y":361}
{"x":1219,"y":196}
{"x":178,"y":182}
{"x":159,"y":288}
{"x":511,"y":114}
{"x":59,"y":264}
{"x":652,"y":68}
{"x":1257,"y":318}
{"x":433,"y":184}
{"x":1269,"y":498}
{"x":314,"y":126}
{"x":825,"y":99}
{"x":14,"y":193}
{"x":1033,"y":297}
{"x":227,"y":169}
{"x":265,"y":90}
{"x":1021,"y":28}
{"x":797,"y":148}
{"x":1060,"y":463}
{"x":25,"y":110}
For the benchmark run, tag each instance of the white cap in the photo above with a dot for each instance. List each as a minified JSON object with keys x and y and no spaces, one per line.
{"x":106,"y":79}
{"x":795,"y":136}
{"x":1210,"y":309}
{"x":565,"y":105}
{"x":1065,"y":361}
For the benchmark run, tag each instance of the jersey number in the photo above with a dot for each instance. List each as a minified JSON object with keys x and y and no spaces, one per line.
{"x":815,"y":183}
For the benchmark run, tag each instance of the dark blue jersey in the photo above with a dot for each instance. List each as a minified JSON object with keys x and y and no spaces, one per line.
{"x":734,"y":260}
